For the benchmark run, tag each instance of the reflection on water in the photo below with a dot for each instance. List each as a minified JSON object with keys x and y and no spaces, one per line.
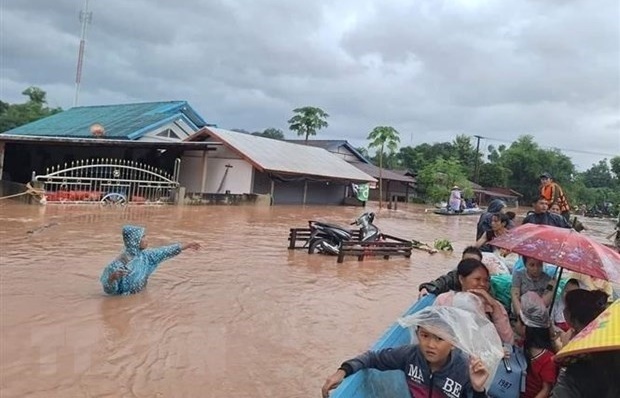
{"x":242,"y":317}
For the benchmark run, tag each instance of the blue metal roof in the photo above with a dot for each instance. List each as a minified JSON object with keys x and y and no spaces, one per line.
{"x":122,"y":121}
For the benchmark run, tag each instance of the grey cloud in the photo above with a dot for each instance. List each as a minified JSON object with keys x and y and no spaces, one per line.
{"x":432,"y":69}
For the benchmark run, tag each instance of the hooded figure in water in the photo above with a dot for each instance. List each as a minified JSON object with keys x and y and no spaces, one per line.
{"x":130,"y":271}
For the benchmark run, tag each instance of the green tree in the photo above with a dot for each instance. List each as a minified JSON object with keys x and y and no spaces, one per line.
{"x":437,"y":178}
{"x":615,"y":167}
{"x":527,"y":161}
{"x":494,"y":154}
{"x":494,"y":175}
{"x":419,"y":156}
{"x":308,"y":120}
{"x":382,"y":137}
{"x":599,"y":175}
{"x":465,"y":152}
{"x":15,"y":115}
{"x":271,"y":132}
{"x":363,"y":151}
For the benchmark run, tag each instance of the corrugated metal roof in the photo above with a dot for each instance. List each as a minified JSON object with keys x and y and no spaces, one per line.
{"x":385,"y":174}
{"x":121,"y":121}
{"x":332,"y":146}
{"x":285,"y":157}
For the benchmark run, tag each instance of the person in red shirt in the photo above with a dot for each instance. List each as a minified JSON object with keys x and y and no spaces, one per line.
{"x":542,"y":371}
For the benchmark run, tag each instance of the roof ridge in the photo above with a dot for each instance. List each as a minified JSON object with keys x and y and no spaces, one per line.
{"x":129,"y":103}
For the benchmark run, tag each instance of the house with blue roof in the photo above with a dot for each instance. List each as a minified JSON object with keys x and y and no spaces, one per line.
{"x":149,"y":133}
{"x":150,"y":121}
{"x":138,"y":151}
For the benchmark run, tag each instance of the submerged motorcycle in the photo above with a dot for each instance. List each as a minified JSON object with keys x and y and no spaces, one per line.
{"x":327,"y":238}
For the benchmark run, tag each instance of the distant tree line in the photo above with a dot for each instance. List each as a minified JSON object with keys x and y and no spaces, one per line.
{"x":438,"y":166}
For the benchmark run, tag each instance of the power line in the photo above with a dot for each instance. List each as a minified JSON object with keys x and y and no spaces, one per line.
{"x":554,"y":147}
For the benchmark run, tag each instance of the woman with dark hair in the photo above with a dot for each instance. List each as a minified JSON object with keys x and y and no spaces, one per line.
{"x":474,"y":278}
{"x":594,"y":374}
{"x":499,"y":226}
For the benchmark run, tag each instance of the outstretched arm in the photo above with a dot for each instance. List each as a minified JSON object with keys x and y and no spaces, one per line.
{"x":156,"y":255}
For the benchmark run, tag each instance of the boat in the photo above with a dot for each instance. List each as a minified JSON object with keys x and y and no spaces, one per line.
{"x":372,"y":383}
{"x":466,"y":212}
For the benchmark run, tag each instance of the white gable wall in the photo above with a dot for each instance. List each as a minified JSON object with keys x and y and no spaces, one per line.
{"x":178,"y":127}
{"x":237,"y":181}
{"x":203,"y":172}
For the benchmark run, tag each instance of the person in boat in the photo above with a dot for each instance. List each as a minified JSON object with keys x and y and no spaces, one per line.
{"x":130,"y":271}
{"x":434,"y":366}
{"x":542,"y":216}
{"x":531,"y":279}
{"x":449,"y":281}
{"x":558,"y":308}
{"x":534,"y":325}
{"x":455,"y":200}
{"x":484,"y":222}
{"x":553,"y":194}
{"x":588,"y":375}
{"x":499,"y":226}
{"x":474,"y":278}
{"x":575,"y":223}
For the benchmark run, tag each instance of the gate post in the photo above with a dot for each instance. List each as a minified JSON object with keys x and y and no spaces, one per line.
{"x":180,"y":196}
{"x":2,"y":145}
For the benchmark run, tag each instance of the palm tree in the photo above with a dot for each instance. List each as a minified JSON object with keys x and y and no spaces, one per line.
{"x":308,"y":120}
{"x":381,"y":137}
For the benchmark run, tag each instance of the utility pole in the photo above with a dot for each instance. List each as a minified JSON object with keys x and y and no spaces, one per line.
{"x":477,"y":168}
{"x":86,"y":18}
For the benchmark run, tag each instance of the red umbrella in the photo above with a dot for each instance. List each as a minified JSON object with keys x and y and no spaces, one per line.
{"x":563,"y":247}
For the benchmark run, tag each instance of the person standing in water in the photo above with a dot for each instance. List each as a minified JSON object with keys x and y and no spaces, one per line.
{"x":130,"y":271}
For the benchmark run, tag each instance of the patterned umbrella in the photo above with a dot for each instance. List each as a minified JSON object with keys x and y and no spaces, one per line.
{"x":602,"y":334}
{"x":564,"y":247}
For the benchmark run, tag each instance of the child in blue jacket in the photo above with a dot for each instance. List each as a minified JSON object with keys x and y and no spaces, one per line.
{"x":434,"y":367}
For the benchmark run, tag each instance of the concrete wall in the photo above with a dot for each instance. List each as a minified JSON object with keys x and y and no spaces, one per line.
{"x":238,"y":180}
{"x":292,"y":192}
{"x":193,"y":170}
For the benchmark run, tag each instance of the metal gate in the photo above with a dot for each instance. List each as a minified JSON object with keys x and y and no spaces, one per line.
{"x":109,"y":182}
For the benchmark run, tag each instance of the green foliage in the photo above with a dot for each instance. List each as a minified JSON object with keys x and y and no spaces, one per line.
{"x":443,"y":244}
{"x":437,"y":178}
{"x":363,"y":151}
{"x":308,"y":120}
{"x":598,"y":176}
{"x":382,"y":137}
{"x":527,"y":161}
{"x":465,"y":153}
{"x":15,"y":115}
{"x":418,"y":157}
{"x":494,"y":175}
{"x":615,"y":166}
{"x":271,"y":132}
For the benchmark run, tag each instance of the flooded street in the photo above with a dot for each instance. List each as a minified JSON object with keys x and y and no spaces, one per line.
{"x":242,"y":317}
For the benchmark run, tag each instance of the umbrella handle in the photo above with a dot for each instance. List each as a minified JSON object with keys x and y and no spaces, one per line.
{"x":555,"y":290}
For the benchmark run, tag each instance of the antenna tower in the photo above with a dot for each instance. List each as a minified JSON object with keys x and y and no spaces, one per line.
{"x":86,"y":18}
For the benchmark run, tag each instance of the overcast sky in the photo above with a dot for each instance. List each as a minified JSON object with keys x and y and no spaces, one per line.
{"x":430,"y":68}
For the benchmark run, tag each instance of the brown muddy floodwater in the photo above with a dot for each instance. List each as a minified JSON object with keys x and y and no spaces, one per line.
{"x":243,"y":317}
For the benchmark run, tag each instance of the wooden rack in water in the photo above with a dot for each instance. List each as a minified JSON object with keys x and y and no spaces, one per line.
{"x":386,"y":247}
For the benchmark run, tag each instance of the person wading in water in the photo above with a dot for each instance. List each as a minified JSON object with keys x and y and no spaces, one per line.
{"x":130,"y":271}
